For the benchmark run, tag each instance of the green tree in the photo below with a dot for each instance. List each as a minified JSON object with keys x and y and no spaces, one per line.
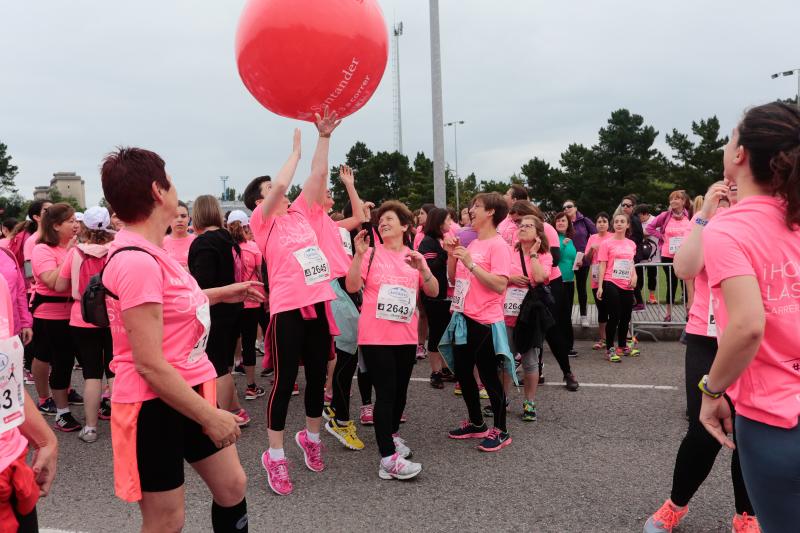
{"x":229,"y":195}
{"x":8,"y":171}
{"x":13,"y":206}
{"x":293,"y":192}
{"x":698,"y":164}
{"x":545,"y":183}
{"x":56,"y":196}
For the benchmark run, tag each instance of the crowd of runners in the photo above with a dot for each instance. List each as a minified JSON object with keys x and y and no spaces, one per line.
{"x":160,"y":307}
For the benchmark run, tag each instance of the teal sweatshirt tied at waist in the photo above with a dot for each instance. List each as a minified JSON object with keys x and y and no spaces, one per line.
{"x":456,"y":335}
{"x":346,"y":316}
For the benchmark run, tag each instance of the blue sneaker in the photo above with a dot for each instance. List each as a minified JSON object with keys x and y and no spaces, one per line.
{"x":495,"y":441}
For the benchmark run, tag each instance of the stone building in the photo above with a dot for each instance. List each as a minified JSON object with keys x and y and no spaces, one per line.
{"x":68,"y":184}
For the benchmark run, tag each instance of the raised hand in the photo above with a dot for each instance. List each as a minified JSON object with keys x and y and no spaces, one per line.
{"x":346,"y":175}
{"x":361,"y":243}
{"x":536,"y":246}
{"x":450,"y":243}
{"x":717,"y":192}
{"x":327,"y":122}
{"x":416,"y":261}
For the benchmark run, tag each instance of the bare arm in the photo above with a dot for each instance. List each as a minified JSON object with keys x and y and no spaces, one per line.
{"x":45,"y":445}
{"x":314,"y":187}
{"x":493,"y":282}
{"x":235,"y":293}
{"x":537,"y":273}
{"x":61,"y":284}
{"x":353,"y":282}
{"x":358,"y":218}
{"x":283,"y":179}
{"x":688,"y":260}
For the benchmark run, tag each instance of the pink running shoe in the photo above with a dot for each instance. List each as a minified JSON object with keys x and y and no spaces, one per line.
{"x":745,"y":524}
{"x":312,"y":451}
{"x":277,"y":475}
{"x":403,"y":418}
{"x":295,"y":390}
{"x":365,"y":416}
{"x":327,"y":399}
{"x":241,"y":413}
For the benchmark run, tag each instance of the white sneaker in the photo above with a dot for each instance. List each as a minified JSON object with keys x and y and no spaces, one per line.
{"x":399,"y":469}
{"x":584,"y":321}
{"x":87,"y":435}
{"x":401,"y":448}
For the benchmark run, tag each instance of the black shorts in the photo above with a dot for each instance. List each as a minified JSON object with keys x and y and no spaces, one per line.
{"x":438,"y":318}
{"x":51,"y":337}
{"x":164,"y":439}
{"x":95,"y":349}
{"x":222,"y":343}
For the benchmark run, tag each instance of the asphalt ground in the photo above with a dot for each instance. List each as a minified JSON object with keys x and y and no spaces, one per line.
{"x":599,"y":459}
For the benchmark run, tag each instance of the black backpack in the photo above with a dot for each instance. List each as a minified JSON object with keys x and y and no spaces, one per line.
{"x":646,"y":251}
{"x":93,"y":300}
{"x":535,"y":316}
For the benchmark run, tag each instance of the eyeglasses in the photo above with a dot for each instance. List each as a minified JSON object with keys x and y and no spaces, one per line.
{"x":568,"y":206}
{"x":627,"y":205}
{"x":526,"y":226}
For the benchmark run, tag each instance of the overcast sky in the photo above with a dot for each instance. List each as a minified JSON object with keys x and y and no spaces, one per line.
{"x":527,"y":77}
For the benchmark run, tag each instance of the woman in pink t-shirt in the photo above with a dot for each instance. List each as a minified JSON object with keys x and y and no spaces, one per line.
{"x":391,"y":277}
{"x":480,"y":275}
{"x":178,"y":242}
{"x":164,"y":401}
{"x":54,"y":350}
{"x":301,"y":324}
{"x":592,"y":247}
{"x":752,"y":256}
{"x":671,"y":228}
{"x":616,"y":256}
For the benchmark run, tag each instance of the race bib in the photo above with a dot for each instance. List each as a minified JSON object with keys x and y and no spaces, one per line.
{"x":674,"y":244}
{"x":12,"y":397}
{"x":204,"y":317}
{"x":711,"y":331}
{"x":396,"y":303}
{"x":314,"y":264}
{"x":596,"y":273}
{"x":622,"y":269}
{"x":459,"y":294}
{"x":346,"y":241}
{"x":514,"y":297}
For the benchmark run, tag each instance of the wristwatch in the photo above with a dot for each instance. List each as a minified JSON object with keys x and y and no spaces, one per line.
{"x":703,"y":386}
{"x":535,"y":255}
{"x":472,"y":268}
{"x":701,"y":221}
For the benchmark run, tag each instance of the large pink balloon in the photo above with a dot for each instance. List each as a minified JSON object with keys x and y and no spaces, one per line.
{"x":297,"y":56}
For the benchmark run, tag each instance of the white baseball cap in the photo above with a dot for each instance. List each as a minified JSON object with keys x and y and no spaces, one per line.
{"x":237,"y":215}
{"x":79,"y":216}
{"x":97,"y":218}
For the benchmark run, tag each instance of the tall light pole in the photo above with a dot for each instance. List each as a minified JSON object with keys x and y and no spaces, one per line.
{"x":397,"y":31}
{"x":455,"y":145}
{"x":789,"y":73}
{"x":224,"y":180}
{"x":439,"y":191}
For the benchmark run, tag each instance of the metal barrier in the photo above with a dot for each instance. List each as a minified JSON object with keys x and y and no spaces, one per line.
{"x":654,"y":315}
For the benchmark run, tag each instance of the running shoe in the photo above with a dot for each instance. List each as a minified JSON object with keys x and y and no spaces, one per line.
{"x":400,"y":447}
{"x":277,"y":474}
{"x":436,"y":380}
{"x":599,"y":345}
{"x":422,"y":352}
{"x":88,"y":435}
{"x":666,"y":518}
{"x":457,"y":389}
{"x":468,"y":430}
{"x":403,"y":418}
{"x":296,"y":390}
{"x":260,"y":347}
{"x":682,"y":339}
{"x":365,"y":415}
{"x":327,"y":398}
{"x":328,"y":413}
{"x":48,"y":407}
{"x":29,"y":378}
{"x":241,"y":413}
{"x":652,"y":300}
{"x":66,"y":423}
{"x":571,"y":383}
{"x":238,"y":370}
{"x":345,"y":433}
{"x":266,"y":372}
{"x":447,"y":375}
{"x":104,"y":413}
{"x":572,"y":353}
{"x":399,"y":468}
{"x":612,"y":356}
{"x":489,"y":412}
{"x":584,"y":321}
{"x":631,"y":352}
{"x":482,"y":393}
{"x":77,"y":367}
{"x":74,"y":398}
{"x":639,"y":307}
{"x":541,"y":379}
{"x":251,"y":393}
{"x":745,"y":523}
{"x":528,"y":411}
{"x":495,"y":441}
{"x":312,"y":451}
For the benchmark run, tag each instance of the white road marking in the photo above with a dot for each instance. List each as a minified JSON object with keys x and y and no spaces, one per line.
{"x":596,"y":385}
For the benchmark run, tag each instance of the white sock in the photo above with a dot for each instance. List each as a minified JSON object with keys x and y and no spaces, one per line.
{"x":63,"y":411}
{"x":276,"y":454}
{"x":90,"y":428}
{"x":313,"y":437}
{"x":387,"y":461}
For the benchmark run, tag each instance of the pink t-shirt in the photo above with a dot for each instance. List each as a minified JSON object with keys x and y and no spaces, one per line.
{"x":480,"y":303}
{"x":331,"y":241}
{"x":12,"y":443}
{"x":178,"y":249}
{"x":595,"y":265}
{"x":674,"y":233}
{"x":701,"y":319}
{"x":508,"y":231}
{"x":391,"y":287}
{"x":27,"y":248}
{"x":515,"y":293}
{"x":418,"y":236}
{"x":137,"y":279}
{"x":552,"y":239}
{"x":75,"y":316}
{"x":751,"y":239}
{"x":618,"y":254}
{"x":298,"y":271}
{"x":46,"y":258}
{"x":251,"y":262}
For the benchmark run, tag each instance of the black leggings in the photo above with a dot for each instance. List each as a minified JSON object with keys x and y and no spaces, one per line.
{"x":553,"y":336}
{"x":581,"y":275}
{"x":346,"y":364}
{"x":479,"y":350}
{"x":438,"y":312}
{"x":293,"y":339}
{"x":96,"y":349}
{"x":390,"y":369}
{"x":619,"y":304}
{"x":54,"y":345}
{"x":222,"y":342}
{"x":672,"y":281}
{"x":564,"y":320}
{"x":249,"y":321}
{"x":698,"y":449}
{"x":602,"y":310}
{"x":365,"y":387}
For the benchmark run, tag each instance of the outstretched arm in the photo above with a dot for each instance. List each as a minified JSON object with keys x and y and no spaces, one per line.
{"x":314,"y":187}
{"x":355,"y":221}
{"x":283,"y":179}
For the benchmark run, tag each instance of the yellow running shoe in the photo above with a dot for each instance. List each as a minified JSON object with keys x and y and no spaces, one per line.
{"x":344,"y":433}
